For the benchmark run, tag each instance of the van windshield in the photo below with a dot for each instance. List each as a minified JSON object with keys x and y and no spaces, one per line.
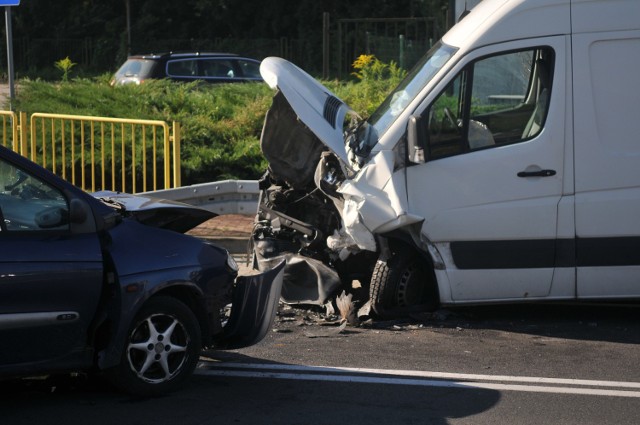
{"x":406,"y":91}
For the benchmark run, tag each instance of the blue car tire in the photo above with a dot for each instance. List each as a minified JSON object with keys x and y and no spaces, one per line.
{"x":161,"y":350}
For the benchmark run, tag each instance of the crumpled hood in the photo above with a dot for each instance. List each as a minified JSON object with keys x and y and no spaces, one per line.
{"x":161,"y":213}
{"x":315,"y":105}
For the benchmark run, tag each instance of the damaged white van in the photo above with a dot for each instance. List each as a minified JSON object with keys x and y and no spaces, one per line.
{"x":505,"y":167}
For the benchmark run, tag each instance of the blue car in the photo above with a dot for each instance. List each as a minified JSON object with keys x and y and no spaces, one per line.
{"x":110,"y":283}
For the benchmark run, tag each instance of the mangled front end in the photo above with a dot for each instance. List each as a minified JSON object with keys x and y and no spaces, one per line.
{"x":300,"y":211}
{"x":326,"y":199}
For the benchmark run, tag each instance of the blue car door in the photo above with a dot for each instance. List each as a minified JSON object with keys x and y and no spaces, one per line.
{"x":51,"y":272}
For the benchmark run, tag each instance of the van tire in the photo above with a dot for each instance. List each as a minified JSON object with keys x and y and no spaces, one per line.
{"x":403,"y":284}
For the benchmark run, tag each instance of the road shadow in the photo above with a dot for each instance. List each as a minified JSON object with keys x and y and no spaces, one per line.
{"x":610,"y":322}
{"x":226,"y":400}
{"x":398,"y":399}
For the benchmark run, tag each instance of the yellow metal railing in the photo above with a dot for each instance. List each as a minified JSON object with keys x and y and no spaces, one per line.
{"x":98,"y":153}
{"x":10,"y":130}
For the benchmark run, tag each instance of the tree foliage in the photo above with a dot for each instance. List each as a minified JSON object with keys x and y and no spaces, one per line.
{"x":104,"y":21}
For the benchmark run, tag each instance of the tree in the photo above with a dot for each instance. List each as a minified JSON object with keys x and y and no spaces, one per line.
{"x":103,"y":22}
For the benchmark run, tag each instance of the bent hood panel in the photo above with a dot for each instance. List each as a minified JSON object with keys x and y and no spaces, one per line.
{"x":155,"y":212}
{"x":290,"y":147}
{"x":315,"y":105}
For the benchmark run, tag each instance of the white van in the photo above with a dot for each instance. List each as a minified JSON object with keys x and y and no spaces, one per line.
{"x":505,"y":167}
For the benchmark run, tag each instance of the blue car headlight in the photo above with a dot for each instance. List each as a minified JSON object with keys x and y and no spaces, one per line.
{"x":231,"y":262}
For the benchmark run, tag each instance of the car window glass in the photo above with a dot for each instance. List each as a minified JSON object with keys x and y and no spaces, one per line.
{"x":182,"y":68}
{"x":249,"y":69}
{"x":131,"y":68}
{"x":217,"y":68}
{"x":444,"y":123}
{"x":28,"y":203}
{"x":135,"y":68}
{"x":495,"y":101}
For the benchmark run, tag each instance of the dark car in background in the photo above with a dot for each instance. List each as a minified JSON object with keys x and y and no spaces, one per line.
{"x":110,"y":283}
{"x":209,"y":67}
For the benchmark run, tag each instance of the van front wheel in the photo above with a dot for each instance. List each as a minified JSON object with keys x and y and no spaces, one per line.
{"x":401,"y":285}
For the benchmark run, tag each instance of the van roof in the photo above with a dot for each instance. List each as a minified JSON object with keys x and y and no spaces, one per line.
{"x":494,"y":21}
{"x":604,"y":15}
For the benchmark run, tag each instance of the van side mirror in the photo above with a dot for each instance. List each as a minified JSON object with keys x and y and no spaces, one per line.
{"x":416,"y":136}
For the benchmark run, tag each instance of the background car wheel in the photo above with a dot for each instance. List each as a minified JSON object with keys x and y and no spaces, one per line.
{"x":402,"y":284}
{"x":161,"y":350}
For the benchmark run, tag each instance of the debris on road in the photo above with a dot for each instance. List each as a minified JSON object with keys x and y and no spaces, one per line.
{"x":347,"y":309}
{"x":327,"y":332}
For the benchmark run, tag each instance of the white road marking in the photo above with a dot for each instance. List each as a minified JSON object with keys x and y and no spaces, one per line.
{"x":422,"y":378}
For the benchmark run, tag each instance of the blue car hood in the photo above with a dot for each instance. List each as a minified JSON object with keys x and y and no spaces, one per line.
{"x":155,"y":212}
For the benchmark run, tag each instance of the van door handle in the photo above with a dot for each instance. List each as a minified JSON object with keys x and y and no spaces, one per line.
{"x":540,"y":173}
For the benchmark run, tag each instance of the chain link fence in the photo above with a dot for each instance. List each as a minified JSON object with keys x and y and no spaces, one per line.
{"x":401,"y":40}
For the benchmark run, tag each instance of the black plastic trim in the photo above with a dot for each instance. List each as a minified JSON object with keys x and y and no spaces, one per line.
{"x":546,"y":253}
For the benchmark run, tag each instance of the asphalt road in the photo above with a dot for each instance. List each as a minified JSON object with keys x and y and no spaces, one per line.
{"x":558,"y":364}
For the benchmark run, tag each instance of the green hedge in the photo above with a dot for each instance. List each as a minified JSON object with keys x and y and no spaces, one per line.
{"x":221,"y":124}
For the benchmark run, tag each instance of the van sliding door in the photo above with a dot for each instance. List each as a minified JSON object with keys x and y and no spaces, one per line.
{"x":607,"y":163}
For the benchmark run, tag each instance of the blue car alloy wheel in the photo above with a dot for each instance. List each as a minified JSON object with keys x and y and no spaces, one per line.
{"x":161,"y":350}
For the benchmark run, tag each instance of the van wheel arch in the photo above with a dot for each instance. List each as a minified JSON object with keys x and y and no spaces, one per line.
{"x":403,"y":281}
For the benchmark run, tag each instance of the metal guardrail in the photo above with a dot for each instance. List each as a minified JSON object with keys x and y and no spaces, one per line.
{"x":223,"y":197}
{"x":97,"y":153}
{"x":94,"y":152}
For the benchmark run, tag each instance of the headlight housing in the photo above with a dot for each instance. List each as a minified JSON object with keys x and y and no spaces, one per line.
{"x":231,"y":262}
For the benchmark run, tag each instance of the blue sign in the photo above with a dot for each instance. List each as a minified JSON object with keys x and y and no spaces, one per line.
{"x":9,"y":2}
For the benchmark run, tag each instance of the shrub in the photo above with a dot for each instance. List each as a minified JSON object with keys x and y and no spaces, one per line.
{"x":221,"y":123}
{"x":376,"y":79}
{"x":65,"y":66}
{"x":217,"y":121}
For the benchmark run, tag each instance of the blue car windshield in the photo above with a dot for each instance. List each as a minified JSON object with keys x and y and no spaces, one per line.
{"x":406,"y":91}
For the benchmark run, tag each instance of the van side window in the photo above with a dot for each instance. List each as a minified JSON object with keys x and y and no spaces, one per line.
{"x":445,"y":130}
{"x":495,"y":101}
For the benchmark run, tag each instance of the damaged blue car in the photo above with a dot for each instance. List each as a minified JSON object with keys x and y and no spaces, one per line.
{"x":110,"y":283}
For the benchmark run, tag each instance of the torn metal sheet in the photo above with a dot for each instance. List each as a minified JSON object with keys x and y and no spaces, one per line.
{"x":305,"y":280}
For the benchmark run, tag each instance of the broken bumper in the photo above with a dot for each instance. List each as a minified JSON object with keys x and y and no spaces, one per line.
{"x":254,"y":306}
